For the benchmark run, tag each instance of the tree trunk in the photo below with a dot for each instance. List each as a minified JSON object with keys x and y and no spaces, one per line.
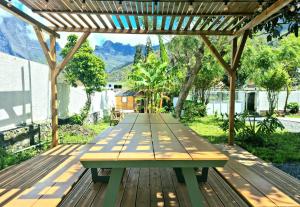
{"x":187,"y":85}
{"x":288,"y":92}
{"x":86,"y":109}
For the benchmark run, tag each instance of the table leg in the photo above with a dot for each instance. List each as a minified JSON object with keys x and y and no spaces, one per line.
{"x":179,"y":175}
{"x":98,"y":178}
{"x":193,"y":187}
{"x":113,"y":187}
{"x":203,"y":176}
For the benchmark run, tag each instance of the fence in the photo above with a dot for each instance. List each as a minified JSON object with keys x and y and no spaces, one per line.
{"x":25,"y":94}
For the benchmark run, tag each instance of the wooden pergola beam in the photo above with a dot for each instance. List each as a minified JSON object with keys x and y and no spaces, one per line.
{"x":70,"y":55}
{"x":215,"y":53}
{"x":274,"y":8}
{"x":44,"y":46}
{"x":231,"y":70}
{"x":55,"y":69}
{"x":25,"y":17}
{"x":238,"y":54}
{"x":142,"y":31}
{"x":125,"y":13}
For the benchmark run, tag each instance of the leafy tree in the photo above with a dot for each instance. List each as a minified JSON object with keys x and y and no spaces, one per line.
{"x":148,"y":48}
{"x":273,"y":80}
{"x":209,"y":75}
{"x":186,"y":55}
{"x":138,"y":56}
{"x":163,"y":51}
{"x":85,"y":68}
{"x":149,"y":77}
{"x":289,"y":55}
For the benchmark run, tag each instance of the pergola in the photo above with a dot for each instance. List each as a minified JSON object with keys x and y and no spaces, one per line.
{"x":233,"y":18}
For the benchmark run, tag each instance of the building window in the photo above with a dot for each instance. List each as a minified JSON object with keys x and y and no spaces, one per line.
{"x":124,"y":99}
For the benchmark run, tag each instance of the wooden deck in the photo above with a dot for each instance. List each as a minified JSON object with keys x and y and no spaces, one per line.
{"x":56,"y":178}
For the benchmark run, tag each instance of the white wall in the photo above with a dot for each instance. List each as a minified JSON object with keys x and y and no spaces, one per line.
{"x":25,"y":94}
{"x":262,"y":103}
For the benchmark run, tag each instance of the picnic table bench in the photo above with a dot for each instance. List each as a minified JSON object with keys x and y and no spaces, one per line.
{"x":152,"y":141}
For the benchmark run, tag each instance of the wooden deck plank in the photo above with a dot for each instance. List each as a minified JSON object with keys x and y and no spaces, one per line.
{"x":129,"y":118}
{"x":143,"y":191}
{"x":138,"y":145}
{"x":142,"y":119}
{"x":169,"y":119}
{"x":269,"y":190}
{"x":50,"y":190}
{"x":198,"y":148}
{"x":156,"y":193}
{"x":278,"y":179}
{"x":156,"y":119}
{"x":129,"y":196}
{"x":254,"y":196}
{"x":165,"y":144}
{"x":169,"y":193}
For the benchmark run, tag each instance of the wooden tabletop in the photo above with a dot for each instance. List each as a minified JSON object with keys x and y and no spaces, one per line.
{"x":142,"y":137}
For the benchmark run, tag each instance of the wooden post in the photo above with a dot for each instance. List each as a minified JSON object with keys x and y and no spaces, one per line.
{"x":55,"y":69}
{"x":231,"y":70}
{"x":232,"y":80}
{"x":54,"y":110}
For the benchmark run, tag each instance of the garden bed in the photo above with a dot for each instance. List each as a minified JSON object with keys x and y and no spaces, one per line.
{"x":282,"y":149}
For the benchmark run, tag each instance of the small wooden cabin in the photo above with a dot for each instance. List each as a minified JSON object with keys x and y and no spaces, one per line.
{"x":126,"y":100}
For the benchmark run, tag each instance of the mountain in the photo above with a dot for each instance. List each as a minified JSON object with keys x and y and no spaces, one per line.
{"x":116,"y":55}
{"x":15,"y":40}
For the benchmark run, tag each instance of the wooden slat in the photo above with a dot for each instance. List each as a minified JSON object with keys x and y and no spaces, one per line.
{"x":110,"y":147}
{"x":198,"y":148}
{"x":187,"y":26}
{"x":128,"y":22}
{"x":163,"y":22}
{"x":180,"y":23}
{"x":269,"y":190}
{"x":129,"y":118}
{"x":137,"y":22}
{"x":142,"y":119}
{"x":165,"y":144}
{"x":120,"y":21}
{"x":138,"y":145}
{"x":156,"y":119}
{"x":102,"y":21}
{"x":222,"y":23}
{"x":109,"y":18}
{"x":49,"y":190}
{"x":94,"y":21}
{"x":169,"y":119}
{"x":196,"y":24}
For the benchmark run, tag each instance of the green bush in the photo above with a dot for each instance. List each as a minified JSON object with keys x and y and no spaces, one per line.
{"x":293,"y":107}
{"x":76,"y":119}
{"x":252,"y":132}
{"x":193,"y":110}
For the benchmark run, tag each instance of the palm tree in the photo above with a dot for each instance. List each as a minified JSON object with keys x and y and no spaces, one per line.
{"x":150,"y":77}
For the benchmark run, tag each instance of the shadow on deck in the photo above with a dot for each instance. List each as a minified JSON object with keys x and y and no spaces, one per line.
{"x":56,"y":178}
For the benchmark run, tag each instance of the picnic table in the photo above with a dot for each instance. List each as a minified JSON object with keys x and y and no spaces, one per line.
{"x":152,"y":141}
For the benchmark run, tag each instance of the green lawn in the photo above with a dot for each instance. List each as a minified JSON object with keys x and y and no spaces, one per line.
{"x":293,"y":116}
{"x":282,"y":146}
{"x":76,"y":134}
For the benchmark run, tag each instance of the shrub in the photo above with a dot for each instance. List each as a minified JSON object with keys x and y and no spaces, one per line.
{"x":250,"y":131}
{"x":76,"y":119}
{"x":193,"y":110}
{"x":293,"y":107}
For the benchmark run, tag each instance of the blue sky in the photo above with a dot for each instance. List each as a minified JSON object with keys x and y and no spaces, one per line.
{"x":95,"y":39}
